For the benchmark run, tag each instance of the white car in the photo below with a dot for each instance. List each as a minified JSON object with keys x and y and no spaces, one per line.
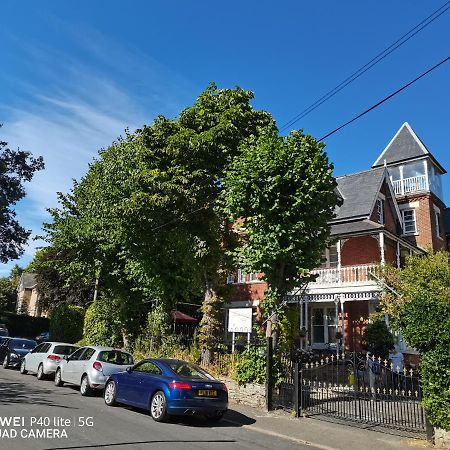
{"x":43,"y":359}
{"x":90,"y":367}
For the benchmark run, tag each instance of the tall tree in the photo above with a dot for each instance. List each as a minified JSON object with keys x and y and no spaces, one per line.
{"x":16,"y":167}
{"x":284,"y":190}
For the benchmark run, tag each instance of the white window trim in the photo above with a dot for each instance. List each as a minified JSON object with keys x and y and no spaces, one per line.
{"x":409,"y":233}
{"x":437,"y":225}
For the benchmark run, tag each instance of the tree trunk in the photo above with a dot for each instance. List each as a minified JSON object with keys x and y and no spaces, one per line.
{"x":210,"y":323}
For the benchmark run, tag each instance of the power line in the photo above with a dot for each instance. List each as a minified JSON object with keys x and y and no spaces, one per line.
{"x":386,"y":98}
{"x":378,"y":58}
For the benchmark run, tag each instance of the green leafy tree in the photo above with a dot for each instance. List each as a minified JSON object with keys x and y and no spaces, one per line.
{"x":8,"y":289}
{"x":145,"y":218}
{"x":16,"y":167}
{"x":285,"y":191}
{"x":379,"y":338}
{"x":66,"y":323}
{"x":418,"y":302}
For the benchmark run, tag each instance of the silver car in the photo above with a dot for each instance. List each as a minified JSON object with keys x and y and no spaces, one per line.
{"x":44,"y":359}
{"x":89,"y":367}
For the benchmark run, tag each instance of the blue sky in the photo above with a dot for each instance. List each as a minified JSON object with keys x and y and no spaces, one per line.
{"x":75,"y":75}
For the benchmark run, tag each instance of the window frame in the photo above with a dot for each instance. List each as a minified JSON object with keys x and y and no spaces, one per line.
{"x":380,"y":210}
{"x":413,"y":220}
{"x":437,"y":225}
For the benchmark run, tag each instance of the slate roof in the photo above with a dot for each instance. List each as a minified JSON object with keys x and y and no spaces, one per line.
{"x":27,"y":280}
{"x":404,"y":146}
{"x":359,"y":191}
{"x":359,"y":226}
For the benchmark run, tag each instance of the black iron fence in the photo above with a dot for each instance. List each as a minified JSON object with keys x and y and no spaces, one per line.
{"x":350,"y":387}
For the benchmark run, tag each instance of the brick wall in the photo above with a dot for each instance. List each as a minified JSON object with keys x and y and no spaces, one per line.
{"x":248,"y":291}
{"x":360,"y":250}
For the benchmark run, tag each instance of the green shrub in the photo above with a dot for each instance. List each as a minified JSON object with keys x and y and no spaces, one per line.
{"x":252,"y":366}
{"x":378,"y":338}
{"x":101,"y":323}
{"x":66,"y":323}
{"x":24,"y":326}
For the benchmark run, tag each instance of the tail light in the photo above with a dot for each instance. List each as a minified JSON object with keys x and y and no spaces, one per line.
{"x":54,"y":357}
{"x":97,"y":366}
{"x":224,"y":388}
{"x":178,"y":385}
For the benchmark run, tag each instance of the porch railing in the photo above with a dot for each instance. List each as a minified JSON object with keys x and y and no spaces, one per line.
{"x":411,"y":184}
{"x":345,"y":275}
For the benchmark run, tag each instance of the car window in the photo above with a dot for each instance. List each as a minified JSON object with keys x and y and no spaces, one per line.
{"x":115,"y":357}
{"x":38,"y":349}
{"x":148,"y":367}
{"x":87,"y":354}
{"x":46,"y":347}
{"x":188,"y":370}
{"x":77,"y":354}
{"x":64,"y":349}
{"x":26,"y":344}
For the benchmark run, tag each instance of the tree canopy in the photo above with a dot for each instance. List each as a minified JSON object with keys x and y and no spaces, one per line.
{"x":16,"y":167}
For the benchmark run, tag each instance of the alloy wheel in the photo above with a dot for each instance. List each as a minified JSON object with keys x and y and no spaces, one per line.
{"x":158,"y":405}
{"x":110,"y":393}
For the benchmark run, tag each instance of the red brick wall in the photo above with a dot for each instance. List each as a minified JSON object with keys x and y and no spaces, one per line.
{"x":360,"y":250}
{"x":426,"y":223}
{"x":248,"y":291}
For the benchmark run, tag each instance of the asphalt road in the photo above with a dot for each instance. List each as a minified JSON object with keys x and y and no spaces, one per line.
{"x":37,"y":406}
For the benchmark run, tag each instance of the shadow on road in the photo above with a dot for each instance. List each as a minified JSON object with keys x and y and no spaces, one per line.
{"x":156,"y":441}
{"x":16,"y":392}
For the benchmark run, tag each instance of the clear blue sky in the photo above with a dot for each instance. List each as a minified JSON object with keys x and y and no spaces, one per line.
{"x":75,"y":74}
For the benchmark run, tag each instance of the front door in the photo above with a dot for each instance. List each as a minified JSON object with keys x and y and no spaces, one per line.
{"x":323,"y":326}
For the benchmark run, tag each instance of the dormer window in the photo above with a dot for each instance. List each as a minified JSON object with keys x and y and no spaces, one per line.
{"x":380,"y":210}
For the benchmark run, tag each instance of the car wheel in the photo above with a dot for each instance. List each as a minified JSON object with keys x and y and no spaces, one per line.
{"x":158,"y":407}
{"x":110,"y":393}
{"x":40,"y":373}
{"x":85,"y":389}
{"x":23,"y":371}
{"x":6,"y":362}
{"x":58,"y":380}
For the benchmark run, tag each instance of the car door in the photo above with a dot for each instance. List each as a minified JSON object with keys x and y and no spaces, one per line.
{"x":143,"y":380}
{"x":41,"y":355}
{"x":82,"y":364}
{"x":31,"y":358}
{"x":70,"y":366}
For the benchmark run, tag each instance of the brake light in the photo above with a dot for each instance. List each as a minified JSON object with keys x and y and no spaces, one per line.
{"x":54,"y":357}
{"x":97,"y":366}
{"x":178,"y":385}
{"x":224,"y":388}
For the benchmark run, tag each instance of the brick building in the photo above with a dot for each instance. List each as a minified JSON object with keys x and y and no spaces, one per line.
{"x":389,"y":211}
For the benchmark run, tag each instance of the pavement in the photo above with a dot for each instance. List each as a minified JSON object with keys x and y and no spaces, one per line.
{"x":321,"y":434}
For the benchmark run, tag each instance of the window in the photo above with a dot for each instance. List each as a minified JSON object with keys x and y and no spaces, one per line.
{"x":380,"y":210}
{"x":409,"y":221}
{"x":115,"y":357}
{"x":87,"y":354}
{"x":76,"y":356}
{"x":437,"y":216}
{"x":148,"y":367}
{"x":324,"y":323}
{"x":241,"y":276}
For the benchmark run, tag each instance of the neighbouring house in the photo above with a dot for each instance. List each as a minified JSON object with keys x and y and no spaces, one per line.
{"x":28,"y":296}
{"x":389,"y":211}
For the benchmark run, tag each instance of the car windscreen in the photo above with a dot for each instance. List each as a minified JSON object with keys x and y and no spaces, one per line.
{"x":3,"y":332}
{"x":188,"y":370}
{"x":115,"y":357}
{"x":64,"y":349}
{"x":22,"y":344}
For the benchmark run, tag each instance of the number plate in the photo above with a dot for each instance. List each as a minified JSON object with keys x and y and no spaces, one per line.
{"x":207,"y":393}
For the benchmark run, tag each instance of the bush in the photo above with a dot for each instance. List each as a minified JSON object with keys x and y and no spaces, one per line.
{"x":252,"y":366}
{"x":422,"y":313}
{"x":101,"y":323}
{"x":378,"y":338}
{"x":66,"y":323}
{"x":21,"y":325}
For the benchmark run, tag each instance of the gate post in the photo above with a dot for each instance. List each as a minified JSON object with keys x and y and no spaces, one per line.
{"x":269,"y":358}
{"x":296,"y":387}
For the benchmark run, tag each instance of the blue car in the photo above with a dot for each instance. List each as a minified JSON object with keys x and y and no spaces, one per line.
{"x":168,"y":387}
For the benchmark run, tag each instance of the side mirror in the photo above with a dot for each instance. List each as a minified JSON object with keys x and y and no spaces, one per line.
{"x":129,"y":369}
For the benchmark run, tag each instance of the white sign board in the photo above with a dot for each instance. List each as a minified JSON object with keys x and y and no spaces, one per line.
{"x":240,"y":320}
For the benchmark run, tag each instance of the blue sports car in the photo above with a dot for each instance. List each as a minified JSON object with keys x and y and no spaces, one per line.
{"x":168,"y":387}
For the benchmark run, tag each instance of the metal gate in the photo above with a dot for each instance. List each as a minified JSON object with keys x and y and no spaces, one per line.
{"x":353,"y":388}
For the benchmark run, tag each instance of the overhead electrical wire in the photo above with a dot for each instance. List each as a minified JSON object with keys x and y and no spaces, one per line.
{"x":385,"y":99}
{"x":378,"y":58}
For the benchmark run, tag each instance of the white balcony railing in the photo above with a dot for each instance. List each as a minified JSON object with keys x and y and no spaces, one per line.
{"x":411,"y":184}
{"x":350,"y":275}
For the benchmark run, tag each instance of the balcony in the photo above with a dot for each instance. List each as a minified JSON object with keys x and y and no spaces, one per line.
{"x":347,"y":275}
{"x":412,"y":184}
